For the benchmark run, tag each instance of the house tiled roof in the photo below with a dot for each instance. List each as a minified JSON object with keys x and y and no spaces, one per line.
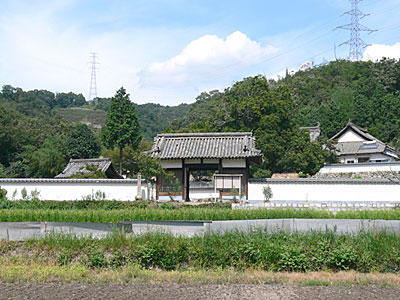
{"x":369,"y":146}
{"x":360,"y":131}
{"x":205,"y":145}
{"x":79,"y":165}
{"x":360,"y":148}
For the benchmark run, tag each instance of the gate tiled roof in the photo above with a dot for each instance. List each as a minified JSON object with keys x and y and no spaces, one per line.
{"x":205,"y":145}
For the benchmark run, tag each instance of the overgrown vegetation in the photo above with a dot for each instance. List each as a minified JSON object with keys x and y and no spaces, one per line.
{"x":278,"y":252}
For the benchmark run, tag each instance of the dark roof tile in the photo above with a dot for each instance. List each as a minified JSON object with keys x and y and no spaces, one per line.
{"x":79,"y":165}
{"x":204,"y":145}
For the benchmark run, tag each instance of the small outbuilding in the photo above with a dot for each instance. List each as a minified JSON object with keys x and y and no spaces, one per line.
{"x":80,"y":166}
{"x":225,"y":153}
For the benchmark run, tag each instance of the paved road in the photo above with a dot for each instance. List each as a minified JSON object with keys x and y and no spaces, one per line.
{"x":175,"y":292}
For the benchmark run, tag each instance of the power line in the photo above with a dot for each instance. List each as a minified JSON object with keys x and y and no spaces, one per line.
{"x":356,"y":44}
{"x":93,"y":84}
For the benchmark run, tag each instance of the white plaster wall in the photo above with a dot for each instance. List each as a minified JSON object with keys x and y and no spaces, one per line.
{"x":171,"y":164}
{"x":233,"y":163}
{"x":356,"y":168}
{"x":60,"y":191}
{"x":192,"y":161}
{"x":211,"y":161}
{"x":326,"y":192}
{"x":350,"y":136}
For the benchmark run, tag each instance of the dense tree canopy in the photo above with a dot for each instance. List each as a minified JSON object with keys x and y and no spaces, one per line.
{"x":81,"y":142}
{"x":252,"y":105}
{"x":122,"y":127}
{"x":367,"y":93}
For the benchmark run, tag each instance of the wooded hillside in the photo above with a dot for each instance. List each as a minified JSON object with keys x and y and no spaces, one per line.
{"x":37,"y":126}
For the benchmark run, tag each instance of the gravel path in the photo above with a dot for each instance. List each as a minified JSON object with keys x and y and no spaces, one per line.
{"x":175,"y":292}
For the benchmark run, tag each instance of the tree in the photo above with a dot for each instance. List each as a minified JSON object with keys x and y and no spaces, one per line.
{"x":81,"y":143}
{"x":121,"y":126}
{"x":301,"y":155}
{"x":48,"y":160}
{"x":2,"y":171}
{"x":8,"y":139}
{"x":69,"y":99}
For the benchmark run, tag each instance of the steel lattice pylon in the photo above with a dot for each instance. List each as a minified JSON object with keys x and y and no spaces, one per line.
{"x":355,"y":43}
{"x":93,"y":84}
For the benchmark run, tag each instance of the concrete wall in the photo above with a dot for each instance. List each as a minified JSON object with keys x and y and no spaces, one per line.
{"x":329,"y":206}
{"x":75,"y":189}
{"x":19,"y":231}
{"x":320,"y":190}
{"x":361,"y":167}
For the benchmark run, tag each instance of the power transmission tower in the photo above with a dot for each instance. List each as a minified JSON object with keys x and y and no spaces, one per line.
{"x":355,"y":43}
{"x":93,"y":84}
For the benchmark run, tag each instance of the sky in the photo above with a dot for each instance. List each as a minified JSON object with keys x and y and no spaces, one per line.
{"x":169,"y":51}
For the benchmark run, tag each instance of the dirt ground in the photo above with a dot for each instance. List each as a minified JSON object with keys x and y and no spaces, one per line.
{"x":157,"y":291}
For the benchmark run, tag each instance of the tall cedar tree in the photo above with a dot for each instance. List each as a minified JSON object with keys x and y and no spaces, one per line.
{"x":121,"y":127}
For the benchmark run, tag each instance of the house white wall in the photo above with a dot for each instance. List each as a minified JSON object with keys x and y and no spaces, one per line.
{"x":360,"y":168}
{"x":76,"y":189}
{"x":372,"y":157}
{"x":325,"y":190}
{"x":350,"y":136}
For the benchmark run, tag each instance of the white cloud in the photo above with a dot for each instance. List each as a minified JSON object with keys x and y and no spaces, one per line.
{"x":207,"y":57}
{"x":378,"y":51}
{"x":40,"y":51}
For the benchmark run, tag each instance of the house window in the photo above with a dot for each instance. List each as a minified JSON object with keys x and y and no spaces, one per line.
{"x":350,"y":162}
{"x":380,"y":160}
{"x":363,"y":159}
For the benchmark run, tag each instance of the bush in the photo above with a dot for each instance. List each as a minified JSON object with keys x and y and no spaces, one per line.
{"x":65,"y":257}
{"x":267,"y":192}
{"x":3,"y":194}
{"x":343,"y":258}
{"x":97,"y":259}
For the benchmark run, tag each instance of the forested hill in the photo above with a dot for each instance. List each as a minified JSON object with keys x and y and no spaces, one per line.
{"x":367,"y":93}
{"x":42,"y":104}
{"x":37,"y":131}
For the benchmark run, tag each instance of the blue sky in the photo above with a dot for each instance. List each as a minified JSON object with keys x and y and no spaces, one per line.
{"x":169,"y":51}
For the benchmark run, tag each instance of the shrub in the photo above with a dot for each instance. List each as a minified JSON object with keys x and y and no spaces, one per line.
{"x":119,"y":259}
{"x":267,"y":191}
{"x":65,"y":257}
{"x":292,"y":259}
{"x":97,"y":259}
{"x":3,"y":194}
{"x":343,"y":258}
